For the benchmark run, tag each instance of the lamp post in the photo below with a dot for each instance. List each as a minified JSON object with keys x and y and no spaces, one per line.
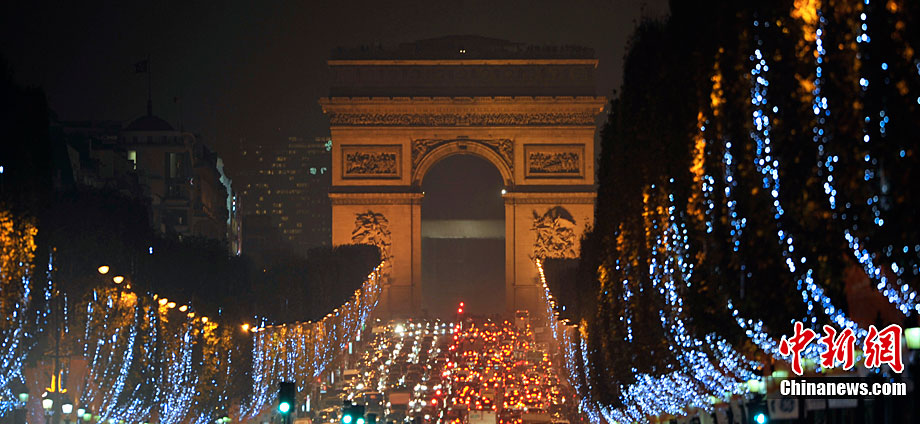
{"x":47,"y":405}
{"x":22,"y":394}
{"x":67,"y":409}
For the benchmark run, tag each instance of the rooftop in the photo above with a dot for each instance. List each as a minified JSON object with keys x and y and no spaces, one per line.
{"x":462,"y":47}
{"x":149,"y":123}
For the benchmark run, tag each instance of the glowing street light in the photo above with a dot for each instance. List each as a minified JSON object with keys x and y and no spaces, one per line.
{"x":67,"y":407}
{"x":104,"y":269}
{"x":118,"y":279}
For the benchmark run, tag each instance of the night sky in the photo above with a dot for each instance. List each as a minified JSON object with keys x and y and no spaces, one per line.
{"x":255,"y":69}
{"x":232,"y":69}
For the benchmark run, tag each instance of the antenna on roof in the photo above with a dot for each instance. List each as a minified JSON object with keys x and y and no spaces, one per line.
{"x":149,"y":90}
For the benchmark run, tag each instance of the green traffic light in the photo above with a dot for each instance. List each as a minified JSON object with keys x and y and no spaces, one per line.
{"x":284,"y":407}
{"x":360,"y":420}
{"x":346,"y":419}
{"x":760,"y":418}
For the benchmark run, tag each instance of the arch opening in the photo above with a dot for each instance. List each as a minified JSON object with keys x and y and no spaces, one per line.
{"x":462,"y":236}
{"x":462,"y":147}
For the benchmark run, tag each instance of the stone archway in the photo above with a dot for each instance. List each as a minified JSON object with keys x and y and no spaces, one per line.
{"x":387,"y":133}
{"x":427,"y":153}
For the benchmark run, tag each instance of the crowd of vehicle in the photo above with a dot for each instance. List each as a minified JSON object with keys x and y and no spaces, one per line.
{"x":478,"y":371}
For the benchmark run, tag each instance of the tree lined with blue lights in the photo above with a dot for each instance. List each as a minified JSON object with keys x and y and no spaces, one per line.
{"x":755,"y":153}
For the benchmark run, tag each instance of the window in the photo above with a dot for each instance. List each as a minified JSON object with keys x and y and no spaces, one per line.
{"x":132,"y":157}
{"x":174,"y":165}
{"x":174,"y":217}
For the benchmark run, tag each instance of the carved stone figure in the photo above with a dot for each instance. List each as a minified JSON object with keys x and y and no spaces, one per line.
{"x":374,"y":229}
{"x":555,"y":234}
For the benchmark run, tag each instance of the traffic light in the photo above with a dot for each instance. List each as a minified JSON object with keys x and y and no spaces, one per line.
{"x":287,"y":391}
{"x":359,"y":413}
{"x":353,"y":414}
{"x":759,"y":413}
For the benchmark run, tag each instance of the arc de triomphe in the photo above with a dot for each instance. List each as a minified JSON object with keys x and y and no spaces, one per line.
{"x":530,"y":111}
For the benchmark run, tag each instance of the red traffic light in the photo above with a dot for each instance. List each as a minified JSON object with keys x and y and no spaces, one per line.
{"x":460,"y":310}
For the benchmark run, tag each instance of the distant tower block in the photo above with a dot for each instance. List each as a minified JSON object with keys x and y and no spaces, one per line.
{"x":528,"y":110}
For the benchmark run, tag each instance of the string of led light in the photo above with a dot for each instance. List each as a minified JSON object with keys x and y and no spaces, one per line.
{"x":300,"y":352}
{"x":898,"y":292}
{"x":672,"y":393}
{"x":17,"y":244}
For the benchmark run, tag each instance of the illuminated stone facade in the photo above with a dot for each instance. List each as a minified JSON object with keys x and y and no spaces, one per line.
{"x":529,"y":111}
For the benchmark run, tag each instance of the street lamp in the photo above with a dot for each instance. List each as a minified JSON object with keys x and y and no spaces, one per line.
{"x":47,"y":404}
{"x":67,"y":409}
{"x":23,"y":394}
{"x":104,"y":269}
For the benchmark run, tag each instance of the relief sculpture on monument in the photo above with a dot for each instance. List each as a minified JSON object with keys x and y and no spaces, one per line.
{"x":373,"y":229}
{"x":554,"y":233}
{"x":554,"y":160}
{"x":463,"y":119}
{"x":370,"y":161}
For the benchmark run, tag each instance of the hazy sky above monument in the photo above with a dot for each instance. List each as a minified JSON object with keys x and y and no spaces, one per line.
{"x":228,"y":69}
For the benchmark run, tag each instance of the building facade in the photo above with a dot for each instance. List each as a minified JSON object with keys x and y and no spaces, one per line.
{"x":178,"y":175}
{"x":284,"y":195}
